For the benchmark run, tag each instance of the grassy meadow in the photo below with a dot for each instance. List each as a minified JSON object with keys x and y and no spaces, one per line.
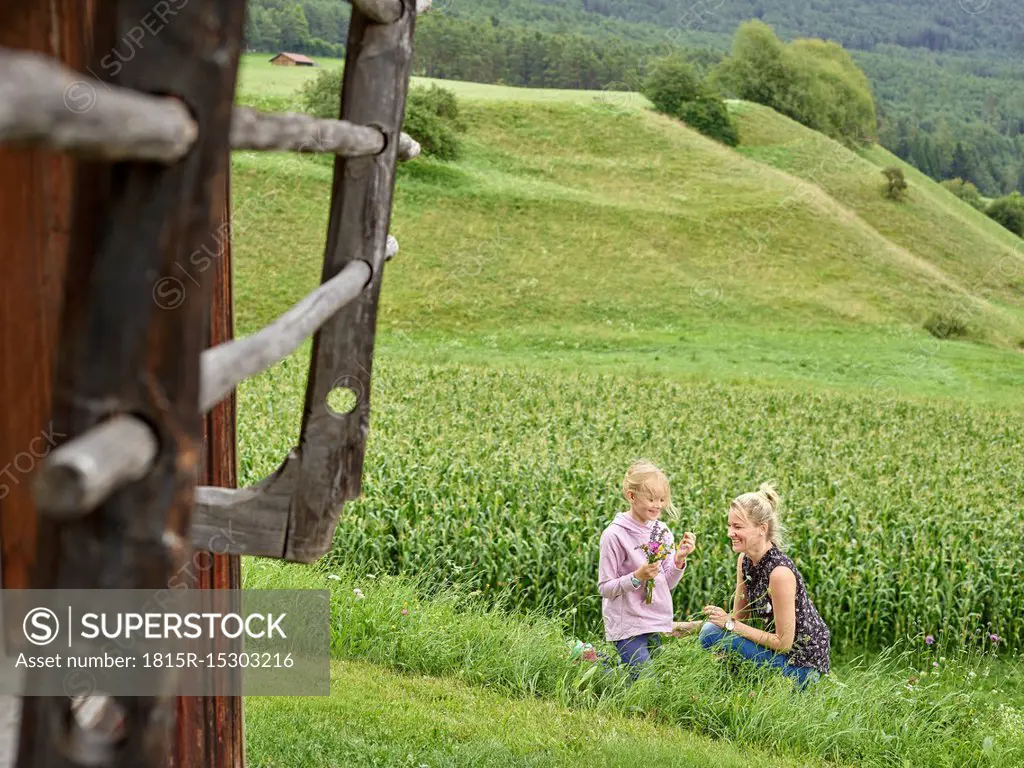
{"x":591,"y":282}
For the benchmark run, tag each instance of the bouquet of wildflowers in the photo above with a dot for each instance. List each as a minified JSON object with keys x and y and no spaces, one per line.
{"x":657,"y":549}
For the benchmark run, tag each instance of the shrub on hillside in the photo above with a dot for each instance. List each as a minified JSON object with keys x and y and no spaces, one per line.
{"x":814,"y":82}
{"x":895,"y":184}
{"x":709,"y":115}
{"x":440,"y":101}
{"x":670,"y":84}
{"x":432,"y":118}
{"x":946,"y":325}
{"x":966,"y":191}
{"x":436,"y":136}
{"x":431,"y":114}
{"x":674,"y":89}
{"x":1009,"y":211}
{"x":321,"y":96}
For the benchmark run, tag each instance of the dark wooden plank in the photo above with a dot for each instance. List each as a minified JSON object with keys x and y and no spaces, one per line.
{"x":210,"y":728}
{"x":376,"y":79}
{"x":35,"y":219}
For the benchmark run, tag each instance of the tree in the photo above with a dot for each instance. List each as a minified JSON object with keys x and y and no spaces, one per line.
{"x":814,"y":82}
{"x":294,"y":28}
{"x":1009,"y":211}
{"x":756,"y":69}
{"x":671,"y":83}
{"x":963,"y":165}
{"x":966,"y":192}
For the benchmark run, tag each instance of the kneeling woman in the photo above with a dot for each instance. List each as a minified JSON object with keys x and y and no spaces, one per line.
{"x":769,"y":590}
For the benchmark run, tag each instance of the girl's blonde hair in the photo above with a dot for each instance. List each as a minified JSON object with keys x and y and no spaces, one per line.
{"x":762,"y":508}
{"x":645,"y":479}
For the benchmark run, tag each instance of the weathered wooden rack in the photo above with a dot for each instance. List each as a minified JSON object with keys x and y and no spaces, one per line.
{"x":119,"y":495}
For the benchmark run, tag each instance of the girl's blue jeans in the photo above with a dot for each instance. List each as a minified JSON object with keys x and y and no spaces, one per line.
{"x":711,"y":637}
{"x":637,"y":651}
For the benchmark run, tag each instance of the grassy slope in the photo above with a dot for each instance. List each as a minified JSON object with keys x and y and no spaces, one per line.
{"x":259,"y":76}
{"x":593,"y":225}
{"x":375,"y":717}
{"x":909,"y":707}
{"x":601,"y":234}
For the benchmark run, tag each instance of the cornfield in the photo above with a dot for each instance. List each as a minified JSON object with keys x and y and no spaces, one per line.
{"x":903,"y":519}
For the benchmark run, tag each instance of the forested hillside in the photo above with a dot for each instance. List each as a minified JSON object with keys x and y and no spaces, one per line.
{"x":939,"y":25}
{"x":943,"y":72}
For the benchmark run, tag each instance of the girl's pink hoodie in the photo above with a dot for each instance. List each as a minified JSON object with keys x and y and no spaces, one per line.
{"x":625,"y":612}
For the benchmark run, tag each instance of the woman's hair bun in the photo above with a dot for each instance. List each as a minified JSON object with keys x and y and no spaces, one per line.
{"x":770,"y":494}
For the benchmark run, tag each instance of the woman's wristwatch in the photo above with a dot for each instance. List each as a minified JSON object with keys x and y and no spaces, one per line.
{"x":635,"y":581}
{"x":729,"y":624}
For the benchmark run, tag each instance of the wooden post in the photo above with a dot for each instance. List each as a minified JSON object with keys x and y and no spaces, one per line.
{"x":130,"y":222}
{"x":210,"y":728}
{"x":35,"y":219}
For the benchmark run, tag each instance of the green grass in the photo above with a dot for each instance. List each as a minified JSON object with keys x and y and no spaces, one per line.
{"x":375,"y":717}
{"x":259,"y":77}
{"x":912,"y":707}
{"x":591,"y":282}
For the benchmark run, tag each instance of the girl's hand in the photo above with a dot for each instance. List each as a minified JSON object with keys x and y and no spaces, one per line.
{"x":716,"y":615}
{"x":685,"y":549}
{"x":647,"y":572}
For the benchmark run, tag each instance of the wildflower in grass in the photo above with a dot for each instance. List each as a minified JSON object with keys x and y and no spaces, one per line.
{"x":996,"y":639}
{"x":405,"y":611}
{"x":358,"y":593}
{"x":334,"y":577}
{"x":929,"y":640}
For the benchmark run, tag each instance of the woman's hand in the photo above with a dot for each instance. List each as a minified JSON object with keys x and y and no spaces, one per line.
{"x":685,"y":549}
{"x":716,"y":615}
{"x":647,"y":572}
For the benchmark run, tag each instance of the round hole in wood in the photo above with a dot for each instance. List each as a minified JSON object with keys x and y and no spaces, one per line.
{"x":342,"y":400}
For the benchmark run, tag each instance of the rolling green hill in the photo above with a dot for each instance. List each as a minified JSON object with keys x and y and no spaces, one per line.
{"x":583,"y":229}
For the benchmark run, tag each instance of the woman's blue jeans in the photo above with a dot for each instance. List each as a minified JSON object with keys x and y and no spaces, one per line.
{"x":712,"y":637}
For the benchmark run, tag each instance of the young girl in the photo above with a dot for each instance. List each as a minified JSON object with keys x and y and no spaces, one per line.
{"x":629,"y":621}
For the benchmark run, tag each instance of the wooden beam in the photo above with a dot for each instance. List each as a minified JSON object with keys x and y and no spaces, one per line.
{"x":81,"y":474}
{"x":210,"y":728}
{"x":43,"y":103}
{"x":226,"y":365}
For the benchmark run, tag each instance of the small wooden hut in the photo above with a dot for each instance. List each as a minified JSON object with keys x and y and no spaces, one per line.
{"x":292,"y":60}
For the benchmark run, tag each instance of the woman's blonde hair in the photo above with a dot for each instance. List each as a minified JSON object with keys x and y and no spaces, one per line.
{"x":762,"y":508}
{"x":643,"y":478}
